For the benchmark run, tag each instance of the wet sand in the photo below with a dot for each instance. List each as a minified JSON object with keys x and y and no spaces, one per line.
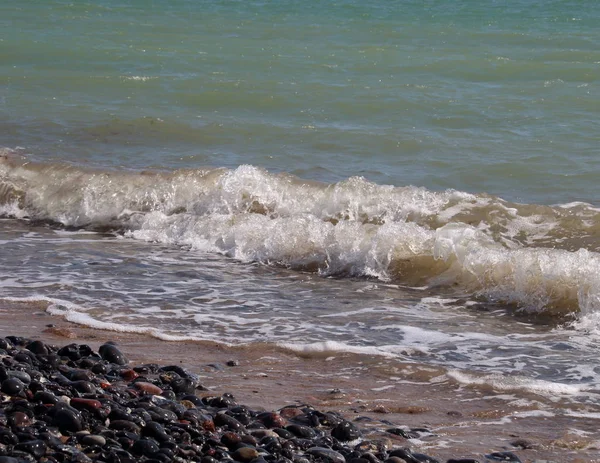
{"x":465,"y":422}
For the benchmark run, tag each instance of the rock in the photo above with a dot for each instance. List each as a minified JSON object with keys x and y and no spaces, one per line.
{"x":37,"y":448}
{"x":67,"y":419}
{"x":229,"y":422}
{"x":12,"y":386}
{"x":19,"y":420}
{"x":148,"y":388}
{"x":326,"y":454}
{"x":146,"y":447}
{"x":38,"y":348}
{"x":85,"y":404}
{"x":93,"y":439}
{"x":245,"y":454}
{"x":301,"y":431}
{"x":112,"y":354}
{"x":156,"y":431}
{"x":345,"y":431}
{"x":402,"y":433}
{"x":410,"y":457}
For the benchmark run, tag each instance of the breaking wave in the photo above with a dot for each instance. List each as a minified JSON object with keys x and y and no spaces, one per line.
{"x":541,"y":258}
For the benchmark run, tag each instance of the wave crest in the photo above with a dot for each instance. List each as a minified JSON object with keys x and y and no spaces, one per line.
{"x":541,"y":258}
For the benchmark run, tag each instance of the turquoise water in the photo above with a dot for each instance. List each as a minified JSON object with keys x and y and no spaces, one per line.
{"x":480,"y":96}
{"x":409,"y":180}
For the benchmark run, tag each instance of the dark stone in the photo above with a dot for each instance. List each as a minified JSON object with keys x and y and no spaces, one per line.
{"x":12,"y":386}
{"x":411,"y":457}
{"x":38,"y":348}
{"x":183,"y":386}
{"x":301,"y":431}
{"x":326,"y":454}
{"x":226,"y":421}
{"x":112,"y":354}
{"x":83,"y":386}
{"x":22,"y":376}
{"x":70,"y":351}
{"x":7,"y":437}
{"x":125,"y":425}
{"x":144,"y":446}
{"x":156,"y":431}
{"x":5,"y":459}
{"x":345,"y":431}
{"x":92,"y":439}
{"x":245,"y":454}
{"x":402,"y":433}
{"x":67,"y":419}
{"x":37,"y":448}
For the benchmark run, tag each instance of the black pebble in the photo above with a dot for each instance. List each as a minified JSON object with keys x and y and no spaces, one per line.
{"x":37,"y":448}
{"x":67,"y":419}
{"x":112,"y":354}
{"x":12,"y":386}
{"x":345,"y":431}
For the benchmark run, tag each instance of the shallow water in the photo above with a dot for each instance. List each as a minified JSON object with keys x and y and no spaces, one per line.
{"x":406,"y":179}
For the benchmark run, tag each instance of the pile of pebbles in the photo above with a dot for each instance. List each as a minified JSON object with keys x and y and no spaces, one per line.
{"x":72,"y":404}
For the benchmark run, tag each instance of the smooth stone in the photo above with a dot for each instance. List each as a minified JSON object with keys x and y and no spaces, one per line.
{"x":162,"y":415}
{"x":83,"y":386}
{"x":148,"y":388}
{"x":462,"y":460}
{"x":156,"y":430}
{"x":85,"y":404}
{"x":327,"y":454}
{"x":128,"y":375}
{"x":271,"y":419}
{"x":45,"y":397}
{"x":37,"y":448}
{"x":6,"y":459}
{"x":301,"y":431}
{"x":283,"y":433}
{"x":22,"y":376}
{"x":183,"y":386}
{"x":245,"y":454}
{"x":67,"y":419}
{"x":395,"y":460}
{"x":411,"y":457}
{"x":224,"y":420}
{"x":93,"y":439}
{"x":7,"y":437}
{"x":345,"y":431}
{"x":71,"y":351}
{"x":144,"y":446}
{"x":19,"y":420}
{"x":112,"y":354}
{"x":124,"y":425}
{"x":12,"y":386}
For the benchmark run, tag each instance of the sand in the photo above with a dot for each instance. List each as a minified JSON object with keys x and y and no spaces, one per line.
{"x":465,"y":422}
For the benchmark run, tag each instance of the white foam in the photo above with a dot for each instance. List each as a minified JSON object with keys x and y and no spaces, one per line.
{"x":354,"y":227}
{"x":501,"y":382}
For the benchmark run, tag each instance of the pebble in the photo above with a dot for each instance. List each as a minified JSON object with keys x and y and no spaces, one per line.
{"x":12,"y":386}
{"x":148,"y":388}
{"x":74,"y":404}
{"x":112,"y":354}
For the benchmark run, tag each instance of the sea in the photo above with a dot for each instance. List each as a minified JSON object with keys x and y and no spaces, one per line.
{"x":412,"y":181}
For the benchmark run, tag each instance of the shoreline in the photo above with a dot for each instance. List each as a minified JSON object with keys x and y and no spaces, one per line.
{"x":465,"y":422}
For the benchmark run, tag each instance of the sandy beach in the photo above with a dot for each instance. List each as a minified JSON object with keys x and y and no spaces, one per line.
{"x":464,"y":422}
